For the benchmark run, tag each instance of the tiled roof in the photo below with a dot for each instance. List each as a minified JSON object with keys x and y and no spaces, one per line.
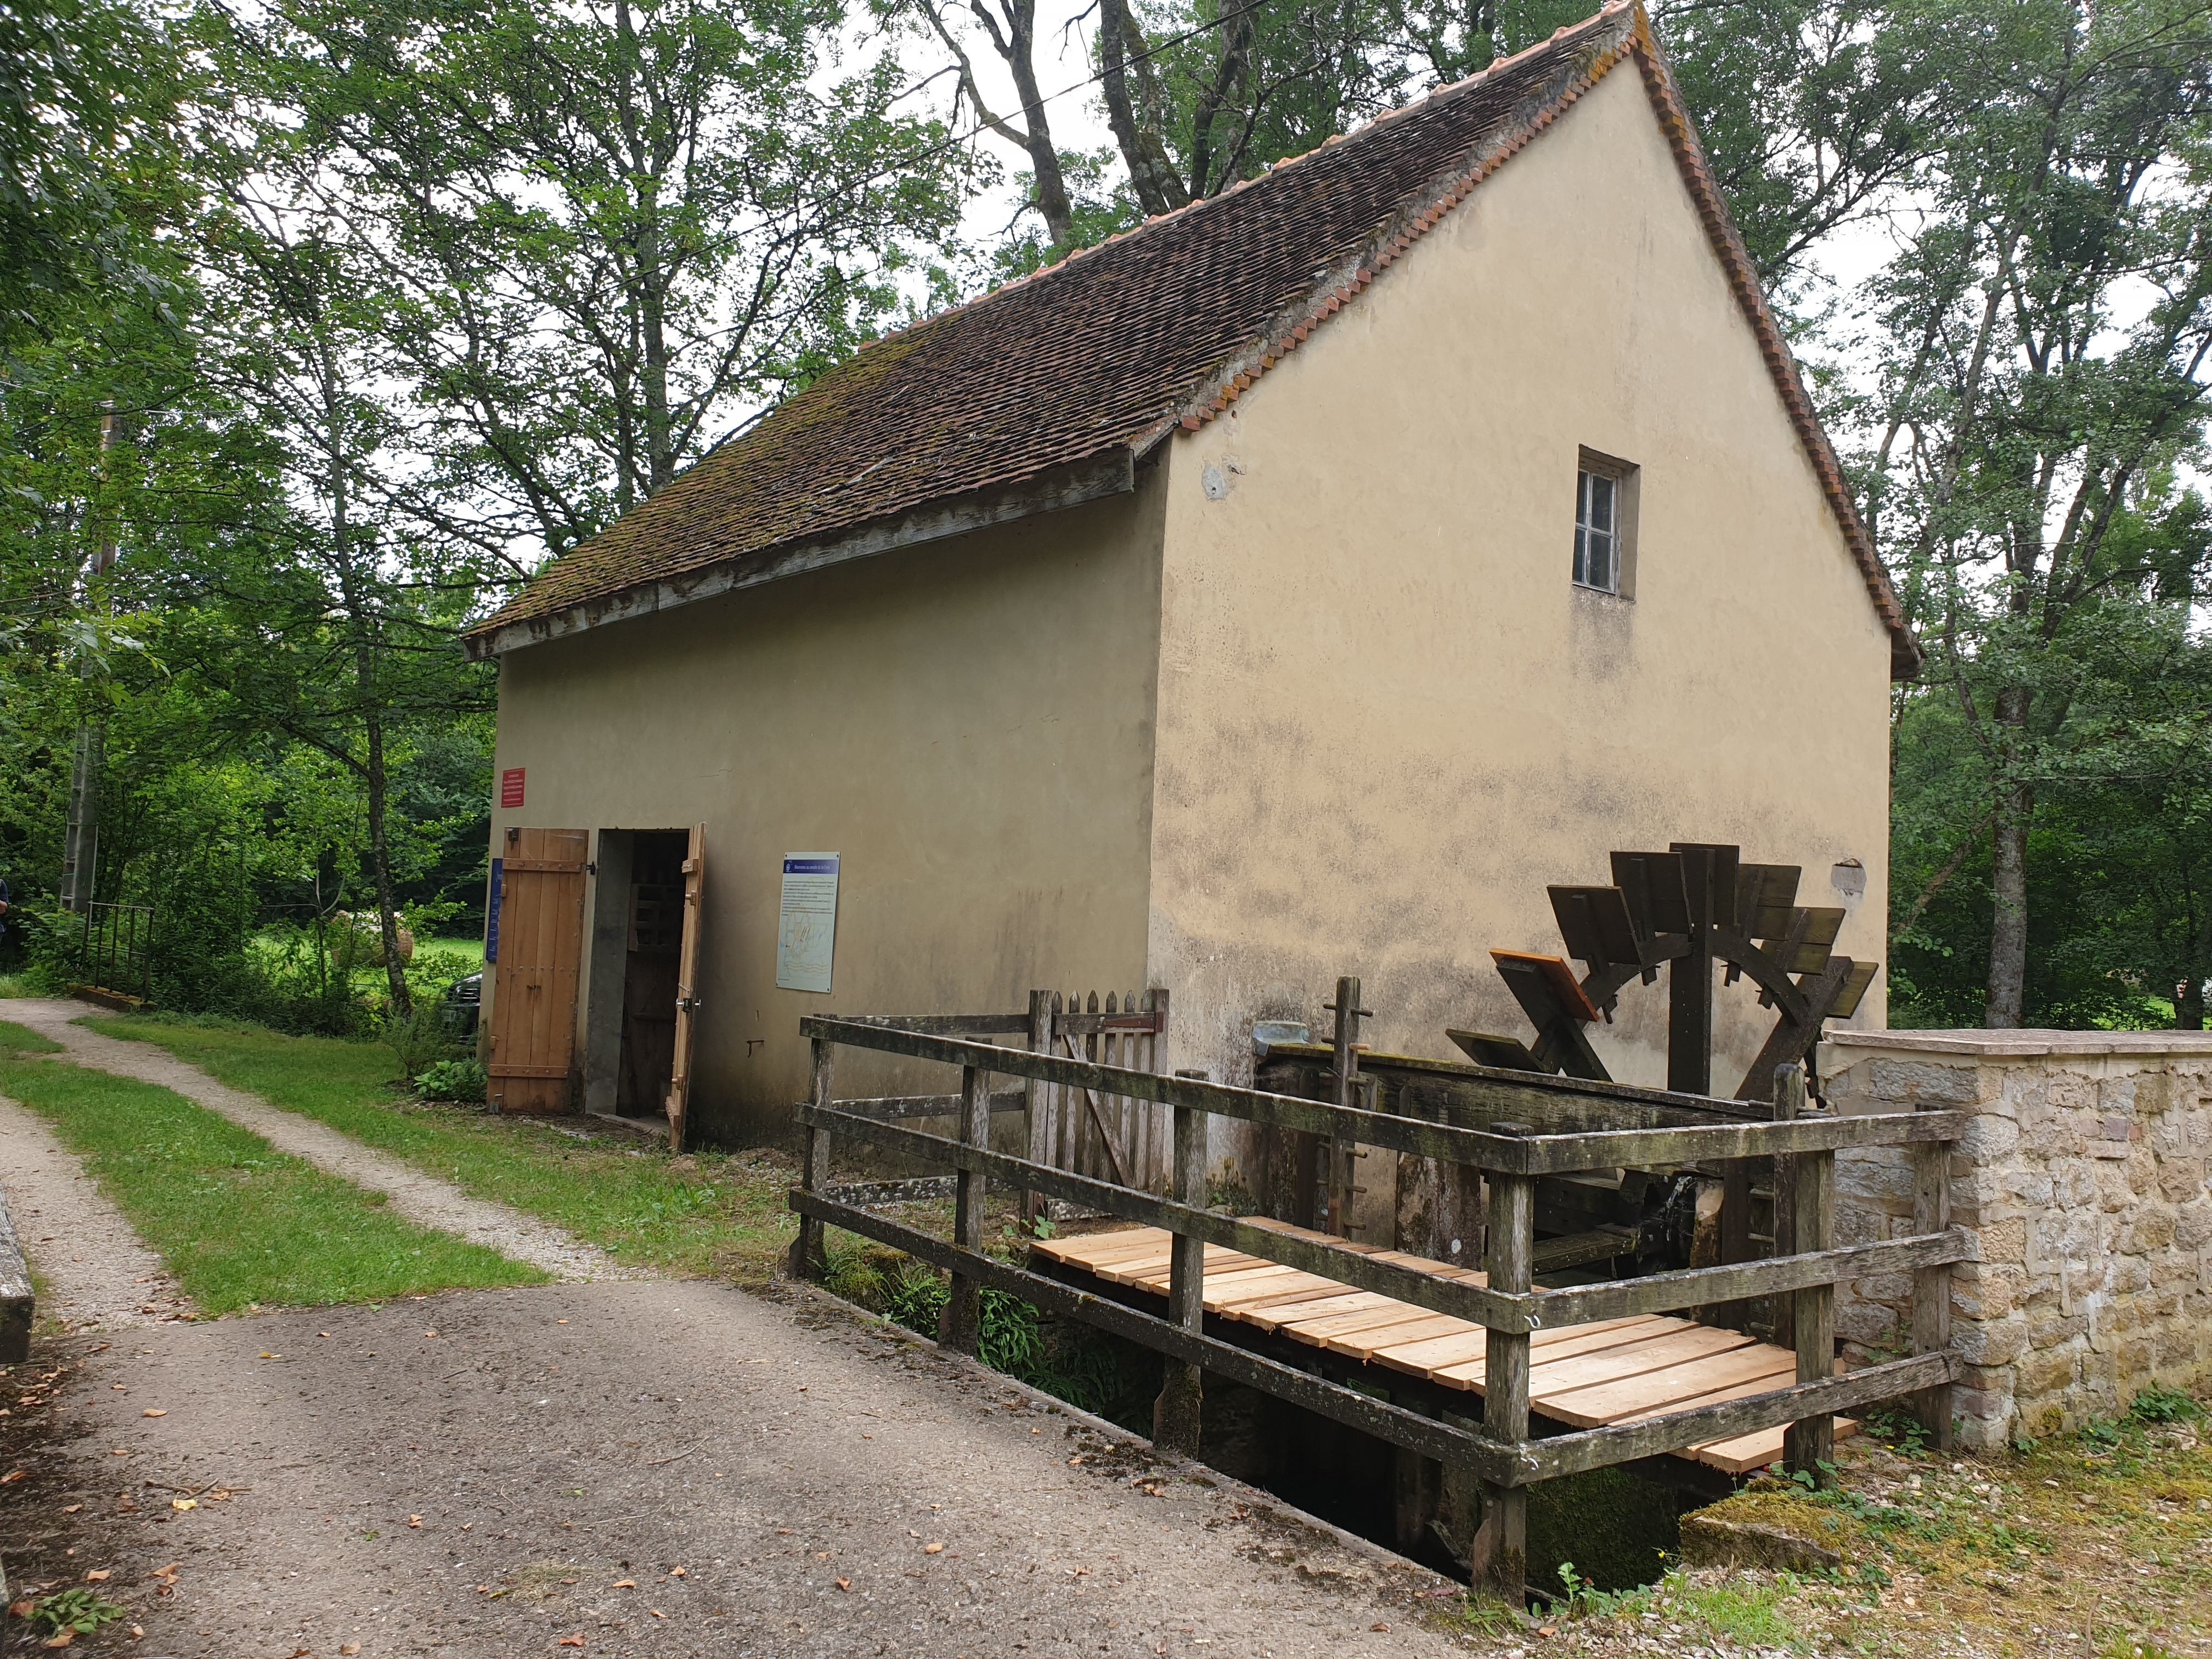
{"x":1110,"y":350}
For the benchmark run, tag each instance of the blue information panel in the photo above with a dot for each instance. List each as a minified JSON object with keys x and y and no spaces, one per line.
{"x":806,"y":931}
{"x":491,"y":911}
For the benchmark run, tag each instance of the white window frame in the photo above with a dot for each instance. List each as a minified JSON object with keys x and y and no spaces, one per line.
{"x":1591,"y":464}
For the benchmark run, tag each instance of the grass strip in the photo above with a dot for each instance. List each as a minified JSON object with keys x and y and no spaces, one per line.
{"x":240,"y":1223}
{"x":22,"y":1040}
{"x":707,"y":1214}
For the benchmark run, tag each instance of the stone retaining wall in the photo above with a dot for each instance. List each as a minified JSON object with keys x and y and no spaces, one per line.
{"x":2083,"y":1176}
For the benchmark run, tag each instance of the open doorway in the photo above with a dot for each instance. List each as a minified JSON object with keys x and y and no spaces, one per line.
{"x":637,"y":940}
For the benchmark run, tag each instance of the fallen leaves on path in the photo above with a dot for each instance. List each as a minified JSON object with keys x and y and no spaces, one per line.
{"x":625,"y":1583}
{"x":154,"y":1411}
{"x":932,"y":1549}
{"x":576,"y":1641}
{"x":100,"y":1575}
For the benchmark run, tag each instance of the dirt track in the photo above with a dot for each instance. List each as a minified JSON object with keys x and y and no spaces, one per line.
{"x":768,"y":1448}
{"x":420,"y":1198}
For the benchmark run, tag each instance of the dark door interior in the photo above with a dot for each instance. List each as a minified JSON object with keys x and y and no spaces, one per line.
{"x":656,"y":940}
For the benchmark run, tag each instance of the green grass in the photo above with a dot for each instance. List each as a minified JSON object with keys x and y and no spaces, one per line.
{"x":240,"y":1224}
{"x":710,"y":1214}
{"x":22,"y":1040}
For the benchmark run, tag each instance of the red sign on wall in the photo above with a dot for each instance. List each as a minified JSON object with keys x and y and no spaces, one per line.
{"x":510,"y":787}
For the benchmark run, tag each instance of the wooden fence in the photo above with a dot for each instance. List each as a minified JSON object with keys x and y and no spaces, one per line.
{"x":1514,"y":1127}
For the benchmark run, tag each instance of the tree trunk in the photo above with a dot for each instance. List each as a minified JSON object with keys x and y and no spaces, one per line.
{"x":379,"y":870}
{"x":2189,"y":995}
{"x":652,"y":280}
{"x":2007,"y":984}
{"x":361,"y":625}
{"x":1051,"y":196}
{"x":1143,"y":150}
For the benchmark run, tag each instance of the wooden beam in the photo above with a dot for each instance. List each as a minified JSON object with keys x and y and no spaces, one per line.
{"x":1595,"y":1449}
{"x":1501,"y":1543}
{"x":1500,"y":1091}
{"x":1931,"y":1284}
{"x":1345,"y":1264}
{"x":1810,"y":1444}
{"x":814,"y":1163}
{"x":1037,"y":1096}
{"x":1540,"y":1154}
{"x":961,"y":1326}
{"x":889,"y":1107}
{"x":1177,"y":1414}
{"x":1702,"y":1288}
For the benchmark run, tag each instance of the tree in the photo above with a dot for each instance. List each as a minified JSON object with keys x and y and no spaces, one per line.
{"x":2032,"y":403}
{"x":600,"y":235}
{"x":1012,"y":27}
{"x":88,"y":91}
{"x":337,"y":628}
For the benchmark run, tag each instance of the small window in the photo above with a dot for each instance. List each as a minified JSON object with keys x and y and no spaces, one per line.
{"x":1605,"y":523}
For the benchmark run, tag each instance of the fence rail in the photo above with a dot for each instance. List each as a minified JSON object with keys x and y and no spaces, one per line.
{"x":1503,"y":1455}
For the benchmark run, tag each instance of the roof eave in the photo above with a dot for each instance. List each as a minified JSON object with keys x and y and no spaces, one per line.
{"x":1102,"y":473}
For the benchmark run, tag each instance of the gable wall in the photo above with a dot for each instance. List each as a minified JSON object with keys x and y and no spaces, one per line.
{"x":1388,"y":719}
{"x":967,"y":722}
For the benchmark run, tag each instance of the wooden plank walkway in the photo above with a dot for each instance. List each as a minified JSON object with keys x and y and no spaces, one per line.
{"x":1616,"y":1370}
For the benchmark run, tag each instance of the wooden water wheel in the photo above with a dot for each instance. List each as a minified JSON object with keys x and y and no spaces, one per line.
{"x":1682,"y":910}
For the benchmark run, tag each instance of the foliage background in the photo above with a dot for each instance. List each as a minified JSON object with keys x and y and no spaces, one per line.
{"x":321,"y":327}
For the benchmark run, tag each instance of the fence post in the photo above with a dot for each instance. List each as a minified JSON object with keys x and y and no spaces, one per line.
{"x":1346,"y":1068}
{"x":1789,"y":1105}
{"x":1810,"y":1445}
{"x":1039,"y":1101}
{"x":814,"y":1164}
{"x":1931,"y":1286}
{"x":1500,"y":1555}
{"x":962,"y":1323}
{"x":1176,"y":1414}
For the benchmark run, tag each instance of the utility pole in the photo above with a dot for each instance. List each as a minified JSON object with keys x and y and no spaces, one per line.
{"x":81,"y":847}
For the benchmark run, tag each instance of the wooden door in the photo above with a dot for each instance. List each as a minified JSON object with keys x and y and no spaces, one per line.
{"x":541,"y":952}
{"x":687,"y":991}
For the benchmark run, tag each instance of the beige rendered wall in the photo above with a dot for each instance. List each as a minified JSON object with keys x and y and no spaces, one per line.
{"x":1387,"y":720}
{"x":968,"y":723}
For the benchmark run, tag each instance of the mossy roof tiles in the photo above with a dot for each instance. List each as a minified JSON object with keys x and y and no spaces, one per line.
{"x":1112,"y":348}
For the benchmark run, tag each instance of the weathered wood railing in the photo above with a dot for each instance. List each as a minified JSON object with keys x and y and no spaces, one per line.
{"x":1503,"y":1139}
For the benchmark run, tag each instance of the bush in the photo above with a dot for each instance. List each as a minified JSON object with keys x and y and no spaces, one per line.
{"x":418,"y":1039}
{"x":459,"y":1080}
{"x":1072,"y":1362}
{"x":2158,"y":1404}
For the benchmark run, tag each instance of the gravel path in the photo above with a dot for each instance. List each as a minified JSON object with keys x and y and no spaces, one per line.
{"x":100,"y":1277}
{"x":655,"y":1469}
{"x":420,"y":1198}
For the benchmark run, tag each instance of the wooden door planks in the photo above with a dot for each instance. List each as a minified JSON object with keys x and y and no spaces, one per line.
{"x":536,"y":981}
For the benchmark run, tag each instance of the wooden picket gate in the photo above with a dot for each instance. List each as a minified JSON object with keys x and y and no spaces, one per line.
{"x":1110,"y":1137}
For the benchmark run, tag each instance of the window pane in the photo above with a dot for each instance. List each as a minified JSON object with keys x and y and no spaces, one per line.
{"x":1600,"y":514}
{"x":1600,"y":561}
{"x":1582,"y":554}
